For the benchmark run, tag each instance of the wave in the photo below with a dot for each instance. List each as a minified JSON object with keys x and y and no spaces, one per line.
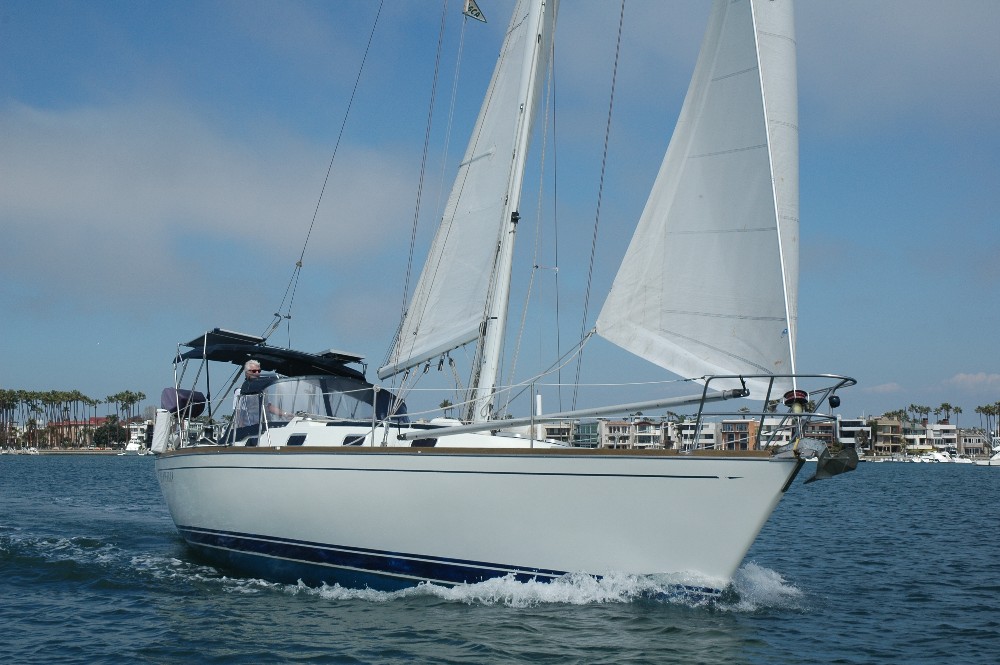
{"x":753,"y":587}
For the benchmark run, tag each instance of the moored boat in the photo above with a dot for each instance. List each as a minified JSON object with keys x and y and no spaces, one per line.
{"x":992,"y":461}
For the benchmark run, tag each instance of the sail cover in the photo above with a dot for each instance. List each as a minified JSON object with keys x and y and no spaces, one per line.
{"x":709,"y":284}
{"x":448,"y":304}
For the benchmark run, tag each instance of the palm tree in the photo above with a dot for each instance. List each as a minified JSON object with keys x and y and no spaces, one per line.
{"x":8,"y":404}
{"x":89,"y":422}
{"x":50,"y":402}
{"x":899,"y":414}
{"x":126,"y":403}
{"x":115,"y":399}
{"x":992,"y":411}
{"x":861,"y":440}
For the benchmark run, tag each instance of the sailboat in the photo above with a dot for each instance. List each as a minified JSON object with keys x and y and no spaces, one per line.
{"x":322,"y":476}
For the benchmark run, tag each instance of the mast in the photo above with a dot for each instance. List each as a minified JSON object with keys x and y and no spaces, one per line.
{"x":487,"y":371}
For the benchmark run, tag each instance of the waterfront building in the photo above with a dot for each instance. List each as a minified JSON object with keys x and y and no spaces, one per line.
{"x":775,"y":432}
{"x":562,"y":431}
{"x":64,"y":433}
{"x":915,"y":438}
{"x":888,"y":436}
{"x":854,"y":432}
{"x":942,"y":436}
{"x":738,"y":434}
{"x":973,"y":443}
{"x":648,"y":434}
{"x":614,"y":433}
{"x":638,"y":433}
{"x":685,"y":436}
{"x":137,"y":431}
{"x":586,"y":434}
{"x":822,"y":430}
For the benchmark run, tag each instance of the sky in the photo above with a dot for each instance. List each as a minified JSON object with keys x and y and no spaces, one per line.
{"x":161,"y":168}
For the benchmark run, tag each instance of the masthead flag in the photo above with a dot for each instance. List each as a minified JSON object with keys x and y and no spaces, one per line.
{"x":472,"y":11}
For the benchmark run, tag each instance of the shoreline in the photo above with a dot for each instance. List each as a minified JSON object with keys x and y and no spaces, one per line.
{"x":101,"y":451}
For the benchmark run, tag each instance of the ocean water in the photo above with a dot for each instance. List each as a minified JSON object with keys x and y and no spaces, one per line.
{"x":895,"y":563}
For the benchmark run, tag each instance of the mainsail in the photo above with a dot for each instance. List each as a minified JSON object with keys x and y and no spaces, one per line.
{"x":709,"y":284}
{"x":464,"y":272}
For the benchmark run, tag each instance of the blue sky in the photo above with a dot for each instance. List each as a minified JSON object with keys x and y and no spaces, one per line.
{"x":160,"y":164}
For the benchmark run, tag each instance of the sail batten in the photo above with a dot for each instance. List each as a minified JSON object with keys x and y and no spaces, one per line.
{"x":709,"y":282}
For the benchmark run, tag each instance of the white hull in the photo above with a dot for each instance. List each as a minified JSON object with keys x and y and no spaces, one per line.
{"x":993,"y":461}
{"x":389,"y":517}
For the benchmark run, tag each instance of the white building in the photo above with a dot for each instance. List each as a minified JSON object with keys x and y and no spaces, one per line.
{"x":851,"y":431}
{"x":973,"y":443}
{"x":683,"y":435}
{"x":635,"y":433}
{"x":137,"y":432}
{"x":942,"y":436}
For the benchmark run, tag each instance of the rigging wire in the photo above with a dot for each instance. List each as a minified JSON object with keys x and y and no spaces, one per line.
{"x":451,"y":116}
{"x":293,"y":281}
{"x":600,"y":192}
{"x":394,"y":349}
{"x":556,"y":367}
{"x":555,"y":232}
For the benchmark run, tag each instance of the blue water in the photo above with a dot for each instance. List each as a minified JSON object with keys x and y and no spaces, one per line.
{"x":895,"y":563}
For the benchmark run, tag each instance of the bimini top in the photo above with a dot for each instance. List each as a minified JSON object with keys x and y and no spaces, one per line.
{"x":237,"y":348}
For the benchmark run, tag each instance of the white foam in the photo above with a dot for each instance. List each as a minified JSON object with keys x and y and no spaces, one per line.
{"x":752,"y":588}
{"x":573,"y":589}
{"x":756,"y":587}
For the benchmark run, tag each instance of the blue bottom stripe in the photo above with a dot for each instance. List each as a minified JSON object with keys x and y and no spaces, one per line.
{"x":289,"y":560}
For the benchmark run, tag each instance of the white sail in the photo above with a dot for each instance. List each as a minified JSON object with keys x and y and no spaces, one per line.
{"x":709,"y":284}
{"x":461,"y":272}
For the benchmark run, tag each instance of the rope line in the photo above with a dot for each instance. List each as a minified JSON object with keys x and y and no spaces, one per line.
{"x":600,"y":192}
{"x":293,"y":282}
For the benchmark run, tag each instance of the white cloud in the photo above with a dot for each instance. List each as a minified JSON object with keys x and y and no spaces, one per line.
{"x":109,"y":196}
{"x":883,"y":389}
{"x":973,"y":382}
